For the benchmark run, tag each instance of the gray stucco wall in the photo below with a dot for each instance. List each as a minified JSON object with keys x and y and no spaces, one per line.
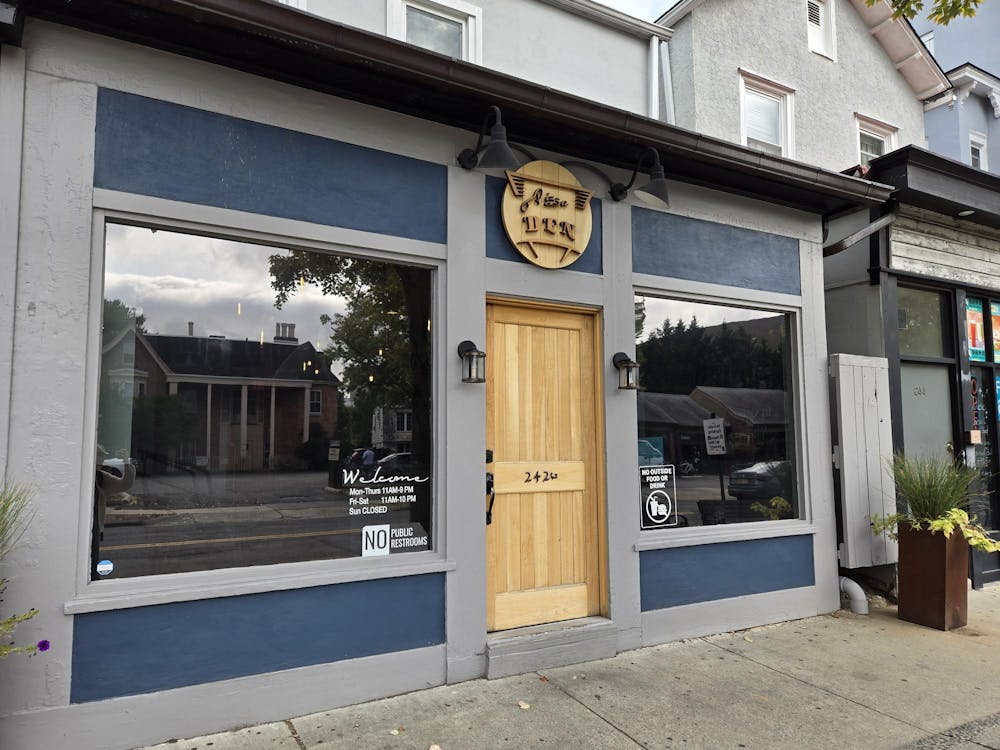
{"x":535,"y":41}
{"x":862,"y":79}
{"x":682,"y":72}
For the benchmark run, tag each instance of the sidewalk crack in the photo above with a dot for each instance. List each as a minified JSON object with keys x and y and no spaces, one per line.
{"x":588,"y":708}
{"x":295,"y":734}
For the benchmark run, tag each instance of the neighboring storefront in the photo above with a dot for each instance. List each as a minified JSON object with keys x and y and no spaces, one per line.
{"x":279,"y":476}
{"x":924,"y":291}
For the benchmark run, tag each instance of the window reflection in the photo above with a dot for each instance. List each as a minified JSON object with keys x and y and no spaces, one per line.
{"x":923,"y":320}
{"x":699,"y":362}
{"x":238,"y":384}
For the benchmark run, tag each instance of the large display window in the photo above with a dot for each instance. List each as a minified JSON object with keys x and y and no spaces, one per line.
{"x":258,"y":405}
{"x":716,"y":436}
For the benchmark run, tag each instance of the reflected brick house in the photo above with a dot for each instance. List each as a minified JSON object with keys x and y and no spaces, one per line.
{"x":252,"y":403}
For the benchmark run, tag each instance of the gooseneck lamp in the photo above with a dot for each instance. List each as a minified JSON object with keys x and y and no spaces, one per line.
{"x":497,"y":154}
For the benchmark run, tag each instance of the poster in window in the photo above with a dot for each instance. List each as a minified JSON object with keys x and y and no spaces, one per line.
{"x":995,"y":320}
{"x":975,"y":329}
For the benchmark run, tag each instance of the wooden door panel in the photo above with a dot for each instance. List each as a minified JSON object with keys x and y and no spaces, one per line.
{"x":543,"y":559}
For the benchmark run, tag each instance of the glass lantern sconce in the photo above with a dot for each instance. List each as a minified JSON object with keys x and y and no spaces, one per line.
{"x":628,"y":372}
{"x":473,"y":363}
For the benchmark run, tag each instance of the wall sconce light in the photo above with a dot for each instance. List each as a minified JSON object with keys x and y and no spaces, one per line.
{"x":628,"y":372}
{"x":473,"y":363}
{"x":654,"y":192}
{"x":497,"y":154}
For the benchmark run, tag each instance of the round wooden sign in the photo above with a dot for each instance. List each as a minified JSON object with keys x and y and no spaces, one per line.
{"x":546,"y":213}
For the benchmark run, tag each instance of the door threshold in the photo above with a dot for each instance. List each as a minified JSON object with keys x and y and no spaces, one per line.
{"x":552,"y":644}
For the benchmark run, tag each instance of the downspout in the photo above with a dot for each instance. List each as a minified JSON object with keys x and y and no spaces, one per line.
{"x":668,"y":84}
{"x":855,"y":596}
{"x":653,"y":95}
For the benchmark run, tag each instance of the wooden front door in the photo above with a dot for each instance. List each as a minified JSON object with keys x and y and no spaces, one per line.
{"x":545,"y":545}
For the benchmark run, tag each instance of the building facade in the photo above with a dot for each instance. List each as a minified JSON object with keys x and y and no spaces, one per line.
{"x":837,"y":83}
{"x":275,"y":166}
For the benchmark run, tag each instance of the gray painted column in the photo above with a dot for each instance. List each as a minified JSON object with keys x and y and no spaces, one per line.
{"x":620,"y":429}
{"x":12,"y":66}
{"x":462,"y":524}
{"x":51,"y":440}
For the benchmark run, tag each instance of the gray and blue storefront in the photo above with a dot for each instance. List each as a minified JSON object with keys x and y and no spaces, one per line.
{"x":272,"y":484}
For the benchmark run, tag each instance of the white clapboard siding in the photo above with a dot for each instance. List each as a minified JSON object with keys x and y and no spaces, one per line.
{"x":937,"y":245}
{"x":863,"y":454}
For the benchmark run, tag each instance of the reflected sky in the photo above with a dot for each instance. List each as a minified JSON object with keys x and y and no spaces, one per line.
{"x":659,"y":310}
{"x":223,"y":286}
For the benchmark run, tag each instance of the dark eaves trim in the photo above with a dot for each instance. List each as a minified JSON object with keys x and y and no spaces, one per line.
{"x":600,"y":132}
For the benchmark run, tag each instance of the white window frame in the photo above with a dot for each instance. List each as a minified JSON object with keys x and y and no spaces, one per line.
{"x":315,"y":401}
{"x":978,"y":140}
{"x":126,"y":593}
{"x":878,"y":129}
{"x":785,"y":95}
{"x":822,"y":39}
{"x":470,"y":16}
{"x":805,"y":523}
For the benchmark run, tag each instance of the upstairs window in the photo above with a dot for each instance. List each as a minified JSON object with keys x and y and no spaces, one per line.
{"x":448,"y":27}
{"x":766,"y":115}
{"x":404,"y":421}
{"x":977,"y":150}
{"x":820,"y":27}
{"x":316,"y":401}
{"x":875,"y":138}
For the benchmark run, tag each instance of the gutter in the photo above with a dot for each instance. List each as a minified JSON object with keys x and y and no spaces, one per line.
{"x":282,"y":39}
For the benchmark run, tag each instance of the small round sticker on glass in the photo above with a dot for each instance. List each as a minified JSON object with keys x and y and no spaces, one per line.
{"x":104,"y":567}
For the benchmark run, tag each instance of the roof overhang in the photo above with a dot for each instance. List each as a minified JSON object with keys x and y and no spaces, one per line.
{"x":967,"y":80}
{"x":903,"y":46}
{"x":939,"y":184}
{"x":281,"y":43}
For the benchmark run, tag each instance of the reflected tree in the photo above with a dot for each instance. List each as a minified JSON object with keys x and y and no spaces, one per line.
{"x":678,"y":357}
{"x":382,"y":339}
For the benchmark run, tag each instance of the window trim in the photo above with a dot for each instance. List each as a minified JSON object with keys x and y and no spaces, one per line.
{"x":876,"y":128}
{"x":978,"y":139}
{"x":126,"y":593}
{"x":654,"y":286}
{"x":758,"y":84}
{"x":823,"y":41}
{"x":470,"y":16}
{"x":315,"y":399}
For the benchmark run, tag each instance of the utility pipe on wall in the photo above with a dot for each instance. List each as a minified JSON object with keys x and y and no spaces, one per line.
{"x":855,"y":596}
{"x":654,"y":78}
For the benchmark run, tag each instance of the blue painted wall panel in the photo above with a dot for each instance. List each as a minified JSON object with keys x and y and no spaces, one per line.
{"x":682,"y":248}
{"x":705,"y":573}
{"x":141,"y":650}
{"x":498,"y":245}
{"x":165,"y":150}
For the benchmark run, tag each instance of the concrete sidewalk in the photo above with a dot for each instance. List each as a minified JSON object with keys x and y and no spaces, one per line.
{"x":838,"y":681}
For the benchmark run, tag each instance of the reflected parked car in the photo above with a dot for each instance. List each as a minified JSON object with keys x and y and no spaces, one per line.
{"x":761,"y":481}
{"x":396,"y":461}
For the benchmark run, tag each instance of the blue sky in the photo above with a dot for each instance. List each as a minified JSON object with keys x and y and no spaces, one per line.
{"x":647,"y":10}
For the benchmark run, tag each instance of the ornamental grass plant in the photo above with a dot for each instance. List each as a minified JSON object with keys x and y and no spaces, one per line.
{"x":935,"y":494}
{"x":14,"y":518}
